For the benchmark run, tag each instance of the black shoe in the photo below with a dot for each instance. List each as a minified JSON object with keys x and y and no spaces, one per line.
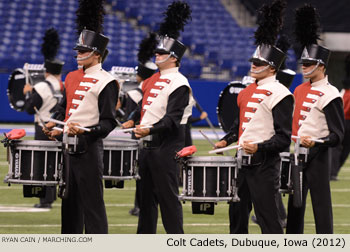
{"x":254,"y":219}
{"x":135,"y":211}
{"x":45,"y":205}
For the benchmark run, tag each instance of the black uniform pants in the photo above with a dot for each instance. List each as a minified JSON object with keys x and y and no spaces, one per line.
{"x":257,"y":185}
{"x":159,"y":185}
{"x":50,"y":195}
{"x":84,"y":205}
{"x":316,"y":178}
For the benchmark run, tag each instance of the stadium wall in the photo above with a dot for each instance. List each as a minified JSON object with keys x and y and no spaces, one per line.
{"x":206,"y":92}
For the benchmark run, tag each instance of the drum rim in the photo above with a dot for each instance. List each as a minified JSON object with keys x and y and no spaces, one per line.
{"x":221,"y":159}
{"x":120,"y":143}
{"x":9,"y":88}
{"x":41,"y":143}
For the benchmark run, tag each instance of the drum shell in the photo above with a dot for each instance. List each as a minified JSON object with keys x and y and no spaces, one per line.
{"x":227,"y":109}
{"x":119,"y":158}
{"x":15,"y":89}
{"x":219,"y":173}
{"x":29,"y":159}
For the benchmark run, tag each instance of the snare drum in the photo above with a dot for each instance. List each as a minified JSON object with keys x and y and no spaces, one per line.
{"x":209,"y":179}
{"x":33,"y":162}
{"x":286,"y":185}
{"x":120,"y":159}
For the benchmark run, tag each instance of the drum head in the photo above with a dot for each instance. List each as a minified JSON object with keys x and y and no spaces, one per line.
{"x":15,"y":89}
{"x":227,"y":109}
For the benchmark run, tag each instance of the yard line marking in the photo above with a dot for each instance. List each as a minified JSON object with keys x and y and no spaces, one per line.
{"x":160,"y":225}
{"x":30,"y":208}
{"x":13,"y":209}
{"x":341,"y":190}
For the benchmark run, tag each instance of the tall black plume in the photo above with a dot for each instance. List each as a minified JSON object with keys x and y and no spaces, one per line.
{"x":147,"y":47}
{"x":90,"y":15}
{"x":270,"y":22}
{"x":51,"y":44}
{"x":176,"y":17}
{"x":307,"y":25}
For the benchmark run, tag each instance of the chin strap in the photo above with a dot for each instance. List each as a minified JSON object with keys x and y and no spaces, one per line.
{"x":261,"y":70}
{"x":84,"y":58}
{"x":313,"y":70}
{"x":161,"y":61}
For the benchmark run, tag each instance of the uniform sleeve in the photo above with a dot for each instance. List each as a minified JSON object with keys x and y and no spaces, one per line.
{"x":232,"y":135}
{"x":192,"y":119}
{"x":33,"y":99}
{"x":282,"y":123}
{"x":107,"y":101}
{"x":334,"y":114}
{"x":177,"y":102}
{"x":135,"y":115}
{"x":59,"y":110}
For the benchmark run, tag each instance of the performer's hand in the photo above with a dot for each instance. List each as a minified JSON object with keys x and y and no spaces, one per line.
{"x":27,"y":88}
{"x":53,"y":134}
{"x":249,"y":148}
{"x":203,"y":115}
{"x":49,"y":126}
{"x":141,"y":132}
{"x":220,"y":144}
{"x":119,"y":104}
{"x":306,"y":142}
{"x":128,"y":124}
{"x":72,"y":131}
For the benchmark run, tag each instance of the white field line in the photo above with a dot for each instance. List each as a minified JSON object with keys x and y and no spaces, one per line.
{"x":29,"y":206}
{"x":160,"y":225}
{"x":19,"y":187}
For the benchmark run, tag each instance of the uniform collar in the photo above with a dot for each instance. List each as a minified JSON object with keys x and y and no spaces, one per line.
{"x":267,"y":80}
{"x":323,"y":81}
{"x":51,"y":78}
{"x":93,"y":68}
{"x":169,"y":70}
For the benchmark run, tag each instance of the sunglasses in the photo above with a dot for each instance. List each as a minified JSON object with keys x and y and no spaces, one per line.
{"x":259,"y":63}
{"x":308,"y":64}
{"x":82,"y":51}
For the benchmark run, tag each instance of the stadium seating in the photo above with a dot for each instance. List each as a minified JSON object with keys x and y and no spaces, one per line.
{"x":213,"y":34}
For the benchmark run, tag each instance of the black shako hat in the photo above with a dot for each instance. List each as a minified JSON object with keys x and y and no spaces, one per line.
{"x":89,"y":24}
{"x":49,"y":49}
{"x":176,"y":16}
{"x":270,"y":22}
{"x":146,"y":68}
{"x":307,"y":29}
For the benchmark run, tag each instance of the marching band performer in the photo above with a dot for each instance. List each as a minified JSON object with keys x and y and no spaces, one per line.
{"x":318,"y":113}
{"x":265,"y":116}
{"x":44,"y":96}
{"x":165,"y":105}
{"x":145,"y":69}
{"x":91,"y":97}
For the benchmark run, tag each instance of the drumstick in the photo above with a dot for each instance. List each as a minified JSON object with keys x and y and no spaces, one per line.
{"x":131,"y":129}
{"x":56,"y":128}
{"x":312,"y":139}
{"x":232,"y":147}
{"x":64,"y":123}
{"x":207,"y":138}
{"x":41,"y":119}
